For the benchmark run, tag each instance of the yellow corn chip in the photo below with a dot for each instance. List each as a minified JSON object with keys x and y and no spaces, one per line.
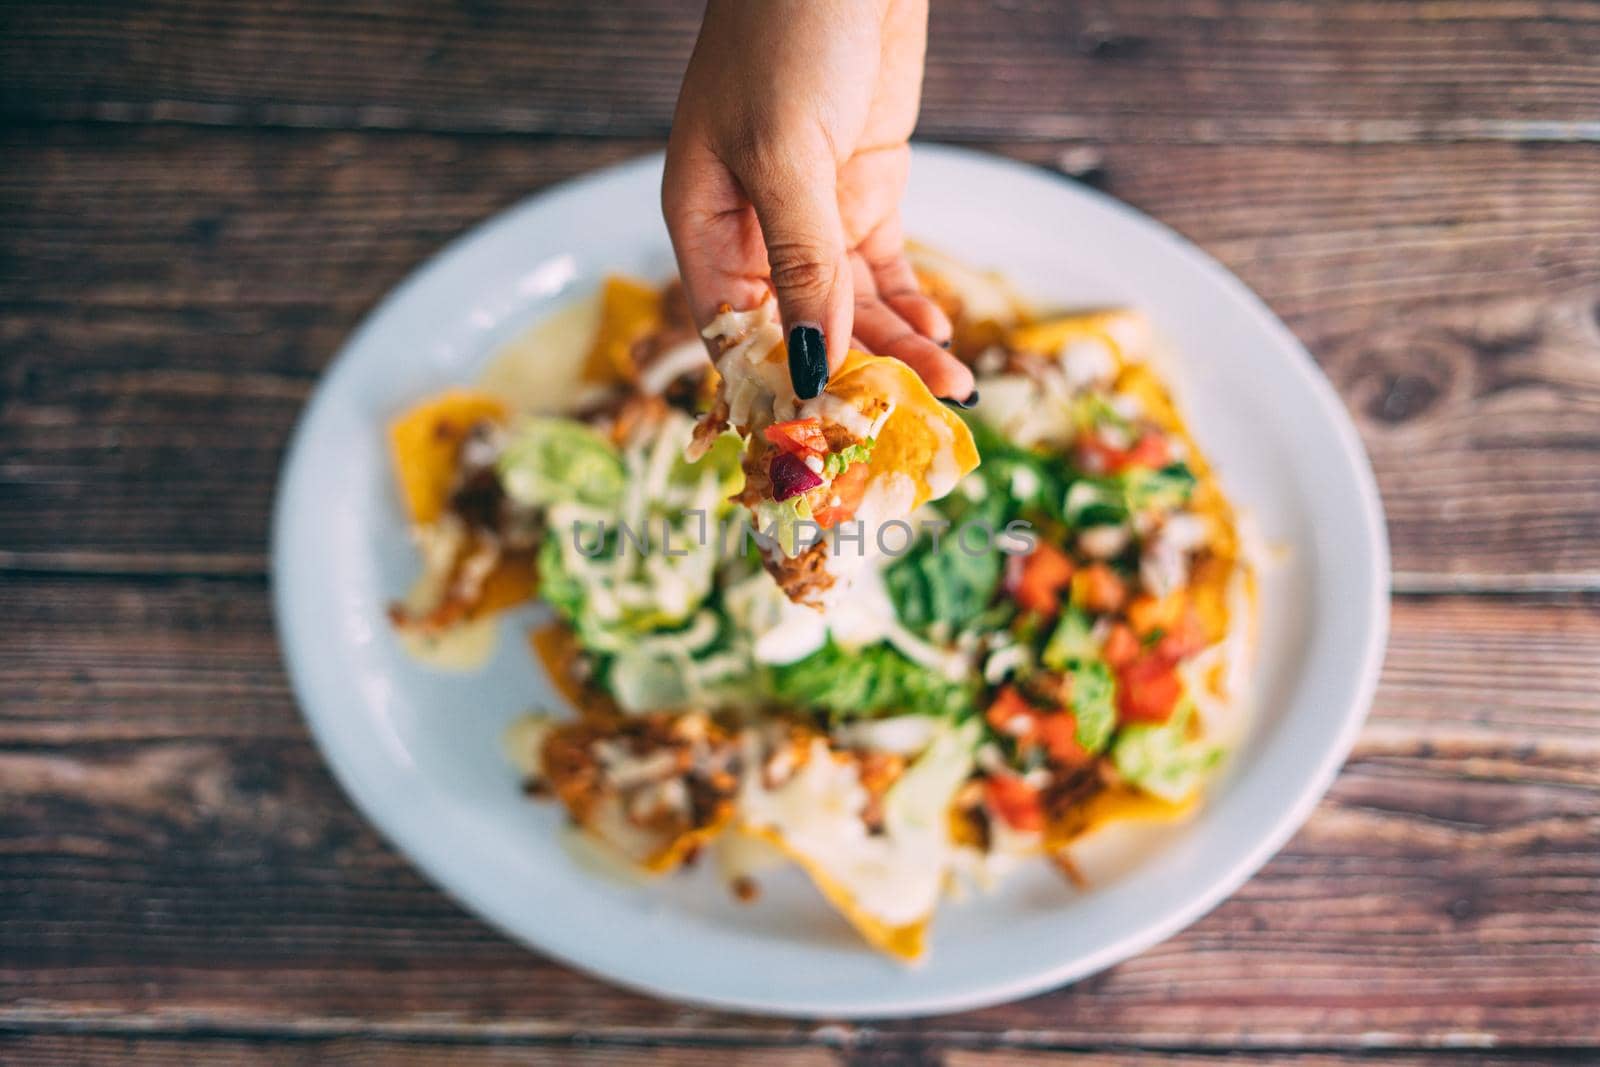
{"x":628,"y":311}
{"x":424,"y":441}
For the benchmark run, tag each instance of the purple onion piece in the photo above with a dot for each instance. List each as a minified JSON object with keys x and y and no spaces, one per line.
{"x":791,"y":477}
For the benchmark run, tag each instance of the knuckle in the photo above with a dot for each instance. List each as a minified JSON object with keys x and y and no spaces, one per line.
{"x":798,"y":268}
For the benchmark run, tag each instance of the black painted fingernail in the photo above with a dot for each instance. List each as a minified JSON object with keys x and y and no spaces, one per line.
{"x":970,"y":401}
{"x":946,"y":343}
{"x":808,"y":361}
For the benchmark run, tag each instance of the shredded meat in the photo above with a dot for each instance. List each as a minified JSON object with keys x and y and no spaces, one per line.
{"x":708,"y":429}
{"x":636,"y":417}
{"x":645,"y":760}
{"x":804,"y":578}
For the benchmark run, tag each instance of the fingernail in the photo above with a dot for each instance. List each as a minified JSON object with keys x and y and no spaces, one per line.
{"x":946,"y":343}
{"x":970,"y":401}
{"x":808,"y":361}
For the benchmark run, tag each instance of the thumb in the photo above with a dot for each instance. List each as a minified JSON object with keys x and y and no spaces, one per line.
{"x":797,"y":205}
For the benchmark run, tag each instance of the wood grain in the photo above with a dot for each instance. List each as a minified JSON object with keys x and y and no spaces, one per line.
{"x":175,"y":857}
{"x":1125,"y":1058}
{"x":1450,"y":291}
{"x":199,"y":201}
{"x":1167,"y":70}
{"x":60,"y":1050}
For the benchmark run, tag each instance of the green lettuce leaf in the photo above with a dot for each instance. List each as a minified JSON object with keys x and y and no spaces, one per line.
{"x":1024,"y":480}
{"x":1093,"y":703}
{"x":723,"y":457}
{"x":867,"y":683}
{"x":834,"y":463}
{"x":1163,"y":760}
{"x":1071,"y":641}
{"x":552,"y":460}
{"x":945,"y":584}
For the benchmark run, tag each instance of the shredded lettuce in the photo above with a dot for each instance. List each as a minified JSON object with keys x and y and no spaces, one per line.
{"x":1163,"y":760}
{"x":1070,"y":642}
{"x":1092,"y":410}
{"x":919,"y":803}
{"x":550,"y":460}
{"x":1073,"y":650}
{"x":1024,"y":480}
{"x":1163,"y":490}
{"x":1112,"y":500}
{"x":778,"y":522}
{"x":643,"y":682}
{"x":1093,"y":702}
{"x":722,"y":458}
{"x":835,"y":463}
{"x":946,"y":583}
{"x":876,"y":680}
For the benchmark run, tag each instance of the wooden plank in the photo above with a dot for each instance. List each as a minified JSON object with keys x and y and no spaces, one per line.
{"x":1121,"y":1058}
{"x":61,"y":1050}
{"x":175,"y":858}
{"x":1448,"y":290}
{"x":1171,"y":70}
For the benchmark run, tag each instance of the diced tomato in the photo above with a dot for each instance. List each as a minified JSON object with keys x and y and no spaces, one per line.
{"x":1121,"y":647}
{"x":1186,"y":638}
{"x":1097,"y":588}
{"x":1044,"y":573}
{"x":1059,"y":735}
{"x":1151,"y":451}
{"x":1097,"y":457}
{"x":1009,"y":705}
{"x":1147,"y":691}
{"x":801,"y":437}
{"x":848,"y":488}
{"x":1015,"y":801}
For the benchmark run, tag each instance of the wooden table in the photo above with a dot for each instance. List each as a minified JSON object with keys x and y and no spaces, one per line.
{"x":199,"y":200}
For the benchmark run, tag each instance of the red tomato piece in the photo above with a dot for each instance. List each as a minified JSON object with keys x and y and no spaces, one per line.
{"x":1097,"y":457}
{"x":1183,"y":640}
{"x":1045,"y":572}
{"x":1015,"y":801}
{"x":848,"y":488}
{"x":1147,"y":691}
{"x":800,"y":437}
{"x":1151,"y":451}
{"x":1009,"y":706}
{"x":1121,"y":647}
{"x":1102,"y":591}
{"x":1059,"y":734}
{"x":1094,"y":455}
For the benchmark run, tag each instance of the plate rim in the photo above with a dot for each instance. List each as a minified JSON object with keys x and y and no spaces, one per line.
{"x":891,"y":1004}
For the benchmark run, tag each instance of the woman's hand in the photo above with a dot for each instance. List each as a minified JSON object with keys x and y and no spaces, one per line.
{"x":787,"y":161}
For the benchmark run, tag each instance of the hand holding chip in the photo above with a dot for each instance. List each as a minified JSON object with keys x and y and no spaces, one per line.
{"x":787,"y":161}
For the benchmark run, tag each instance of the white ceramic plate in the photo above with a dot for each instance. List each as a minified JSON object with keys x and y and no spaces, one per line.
{"x":419,"y":751}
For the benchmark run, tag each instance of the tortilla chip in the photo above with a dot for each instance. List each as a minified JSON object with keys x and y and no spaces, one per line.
{"x":677,"y":851}
{"x":907,"y":942}
{"x":513,"y":581}
{"x":1124,"y":332}
{"x":629,"y":310}
{"x":557,"y":647}
{"x":922,"y":438}
{"x":1117,"y":804}
{"x":424,"y":441}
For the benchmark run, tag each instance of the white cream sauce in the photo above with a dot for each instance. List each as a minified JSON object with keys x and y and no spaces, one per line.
{"x":833,"y":409}
{"x":540,"y":370}
{"x":895,"y":876}
{"x":754,"y":371}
